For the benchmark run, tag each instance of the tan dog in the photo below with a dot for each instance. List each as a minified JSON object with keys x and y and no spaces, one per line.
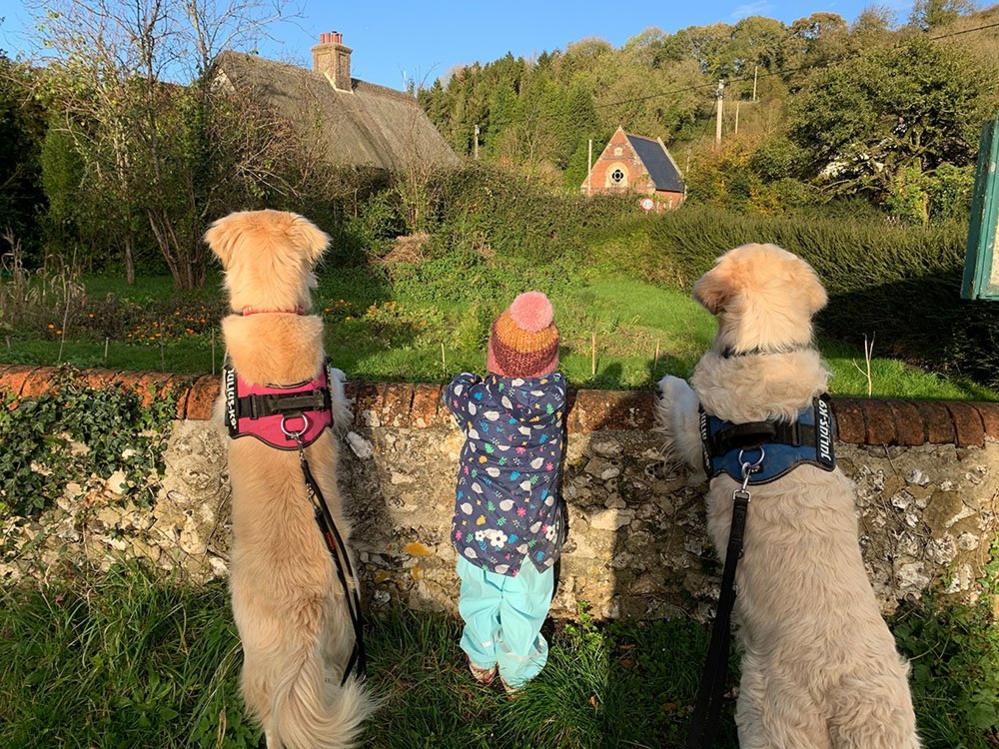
{"x":820,"y":669}
{"x":289,"y":609}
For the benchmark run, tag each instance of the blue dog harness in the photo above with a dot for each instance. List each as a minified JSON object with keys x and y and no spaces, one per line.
{"x":755,"y":453}
{"x":778,"y":447}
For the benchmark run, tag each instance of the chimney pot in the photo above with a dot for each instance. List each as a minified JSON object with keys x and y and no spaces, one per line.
{"x":332,"y":59}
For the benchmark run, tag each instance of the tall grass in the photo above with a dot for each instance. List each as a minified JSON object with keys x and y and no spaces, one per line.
{"x":132,"y":659}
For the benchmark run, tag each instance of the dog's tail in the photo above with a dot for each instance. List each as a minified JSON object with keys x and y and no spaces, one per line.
{"x":312,"y":711}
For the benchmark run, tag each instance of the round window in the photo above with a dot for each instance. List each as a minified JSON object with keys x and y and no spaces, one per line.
{"x":617,"y":175}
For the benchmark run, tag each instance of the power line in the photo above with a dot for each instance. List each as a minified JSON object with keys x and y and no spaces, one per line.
{"x":756,"y":75}
{"x":782,"y":72}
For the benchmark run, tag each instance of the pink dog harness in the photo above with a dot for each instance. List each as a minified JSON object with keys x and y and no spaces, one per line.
{"x":287,"y":417}
{"x":291,"y":417}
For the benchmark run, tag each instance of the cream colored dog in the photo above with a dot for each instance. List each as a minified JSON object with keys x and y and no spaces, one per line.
{"x":289,"y":609}
{"x":820,"y":669}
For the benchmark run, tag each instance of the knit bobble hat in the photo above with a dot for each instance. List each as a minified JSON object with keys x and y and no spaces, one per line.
{"x":524,"y":340}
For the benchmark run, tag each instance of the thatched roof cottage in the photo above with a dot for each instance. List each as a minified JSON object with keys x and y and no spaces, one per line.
{"x":351,"y":122}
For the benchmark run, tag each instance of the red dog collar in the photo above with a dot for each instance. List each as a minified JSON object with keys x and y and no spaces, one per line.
{"x":283,"y":416}
{"x":247,"y":311}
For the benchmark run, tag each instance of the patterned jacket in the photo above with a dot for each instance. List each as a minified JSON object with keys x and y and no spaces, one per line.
{"x":508,"y":504}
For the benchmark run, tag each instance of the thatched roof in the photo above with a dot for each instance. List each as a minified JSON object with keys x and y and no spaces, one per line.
{"x":370,"y":126}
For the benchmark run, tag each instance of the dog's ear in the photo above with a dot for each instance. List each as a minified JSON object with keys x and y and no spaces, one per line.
{"x":221,"y":237}
{"x":312,"y":239}
{"x":815,"y":292}
{"x":715,"y":288}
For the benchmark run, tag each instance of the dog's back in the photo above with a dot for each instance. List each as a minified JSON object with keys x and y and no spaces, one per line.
{"x":820,"y":666}
{"x":815,"y":644}
{"x":291,"y":614}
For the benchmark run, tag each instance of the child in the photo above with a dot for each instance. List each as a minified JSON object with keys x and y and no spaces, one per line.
{"x":508,"y":527}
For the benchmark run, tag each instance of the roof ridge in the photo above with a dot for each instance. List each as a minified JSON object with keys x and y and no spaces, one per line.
{"x":373,"y":88}
{"x":643,"y":137}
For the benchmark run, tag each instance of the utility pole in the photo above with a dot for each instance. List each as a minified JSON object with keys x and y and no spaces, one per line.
{"x":718,"y":119}
{"x":475,"y":148}
{"x":737,"y":103}
{"x":756,"y":69}
{"x":686,"y":171}
{"x":589,"y":169}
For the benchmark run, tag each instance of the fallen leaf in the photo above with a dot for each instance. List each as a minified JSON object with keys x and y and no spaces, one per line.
{"x":416,"y":549}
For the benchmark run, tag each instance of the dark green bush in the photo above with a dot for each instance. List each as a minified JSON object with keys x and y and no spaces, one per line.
{"x":899,"y":283}
{"x":512,"y":217}
{"x":39,"y":457}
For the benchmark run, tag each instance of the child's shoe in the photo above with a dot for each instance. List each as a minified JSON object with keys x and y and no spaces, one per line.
{"x":511,"y":692}
{"x":484,"y":676}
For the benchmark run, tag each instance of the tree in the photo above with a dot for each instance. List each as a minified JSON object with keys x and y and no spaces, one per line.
{"x":22,"y":126}
{"x":917,"y":104}
{"x":929,"y":14}
{"x":135,"y":84}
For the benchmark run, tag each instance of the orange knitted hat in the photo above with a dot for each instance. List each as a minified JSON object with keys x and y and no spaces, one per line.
{"x":524,"y":339}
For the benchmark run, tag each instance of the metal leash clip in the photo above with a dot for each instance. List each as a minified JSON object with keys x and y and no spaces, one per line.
{"x":748,"y":469}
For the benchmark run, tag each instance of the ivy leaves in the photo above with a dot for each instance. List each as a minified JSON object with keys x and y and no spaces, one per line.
{"x":73,"y":432}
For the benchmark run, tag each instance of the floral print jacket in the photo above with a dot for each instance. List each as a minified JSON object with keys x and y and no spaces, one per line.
{"x":508,"y":505}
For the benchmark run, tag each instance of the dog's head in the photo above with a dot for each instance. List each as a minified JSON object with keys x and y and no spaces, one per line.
{"x":763,"y":296}
{"x":268,"y":257}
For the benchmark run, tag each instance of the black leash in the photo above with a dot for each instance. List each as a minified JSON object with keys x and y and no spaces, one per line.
{"x":338,"y":551}
{"x":706,"y":719}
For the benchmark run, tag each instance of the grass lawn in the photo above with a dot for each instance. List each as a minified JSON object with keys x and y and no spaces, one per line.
{"x":128,"y":659}
{"x":375,"y":331}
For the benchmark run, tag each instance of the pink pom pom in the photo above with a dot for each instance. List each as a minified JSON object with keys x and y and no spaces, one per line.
{"x":531,"y":311}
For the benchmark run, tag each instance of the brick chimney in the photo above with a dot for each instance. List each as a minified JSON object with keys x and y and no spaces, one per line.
{"x":331,"y":58}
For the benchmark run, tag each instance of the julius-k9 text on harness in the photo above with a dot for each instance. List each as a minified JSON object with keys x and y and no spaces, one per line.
{"x":753,"y":454}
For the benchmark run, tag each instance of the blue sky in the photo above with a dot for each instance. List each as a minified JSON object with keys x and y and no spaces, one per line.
{"x":423,"y":40}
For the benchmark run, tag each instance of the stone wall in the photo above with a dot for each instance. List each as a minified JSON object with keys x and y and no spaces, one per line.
{"x":927,"y":476}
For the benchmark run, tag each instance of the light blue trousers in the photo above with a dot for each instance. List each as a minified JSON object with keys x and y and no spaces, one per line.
{"x":503,"y":617}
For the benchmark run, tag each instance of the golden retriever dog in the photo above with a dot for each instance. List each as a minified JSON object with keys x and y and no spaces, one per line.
{"x":820,"y":669}
{"x":288,"y":605}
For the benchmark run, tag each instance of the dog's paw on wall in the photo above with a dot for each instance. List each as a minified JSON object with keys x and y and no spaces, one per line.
{"x":343,"y":416}
{"x":677,"y":420}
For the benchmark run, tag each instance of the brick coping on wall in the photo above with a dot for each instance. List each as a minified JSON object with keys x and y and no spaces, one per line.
{"x":402,"y":405}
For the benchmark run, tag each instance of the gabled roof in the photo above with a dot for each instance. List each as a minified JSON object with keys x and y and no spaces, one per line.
{"x":660,"y":165}
{"x":370,"y":126}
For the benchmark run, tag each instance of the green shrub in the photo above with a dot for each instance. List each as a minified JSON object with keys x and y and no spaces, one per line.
{"x":901,"y":283}
{"x":379,"y":221}
{"x":782,"y":196}
{"x":42,"y":438}
{"x":906,"y":197}
{"x":512,"y":217}
{"x":950,"y":189}
{"x":954,"y":654}
{"x":779,"y":158}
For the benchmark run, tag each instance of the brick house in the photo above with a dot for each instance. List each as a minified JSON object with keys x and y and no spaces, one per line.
{"x":636,"y":164}
{"x":346,"y":121}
